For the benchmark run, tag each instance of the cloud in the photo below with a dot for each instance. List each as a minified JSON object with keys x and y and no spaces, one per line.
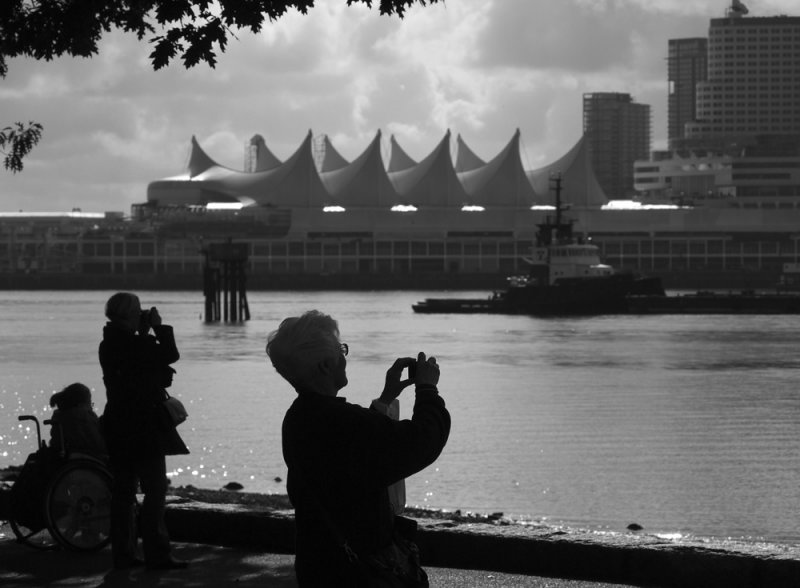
{"x":481,"y":68}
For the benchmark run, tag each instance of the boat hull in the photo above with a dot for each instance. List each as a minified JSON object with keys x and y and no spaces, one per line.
{"x":568,"y":296}
{"x":714,"y":303}
{"x":600,"y":299}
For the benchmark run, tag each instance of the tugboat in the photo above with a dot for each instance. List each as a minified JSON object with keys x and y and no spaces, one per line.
{"x":566,"y":277}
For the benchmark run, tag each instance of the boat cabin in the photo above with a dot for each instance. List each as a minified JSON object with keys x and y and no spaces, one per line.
{"x":576,"y":261}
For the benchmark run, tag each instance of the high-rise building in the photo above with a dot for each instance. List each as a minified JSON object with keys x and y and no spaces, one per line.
{"x":753,"y":85}
{"x":686,"y":66}
{"x":618,"y":133}
{"x":743,"y":148}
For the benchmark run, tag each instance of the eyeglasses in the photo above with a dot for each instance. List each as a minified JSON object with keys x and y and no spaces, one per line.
{"x":344,"y":348}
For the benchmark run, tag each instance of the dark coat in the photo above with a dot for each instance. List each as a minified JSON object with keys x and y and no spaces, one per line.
{"x":77,"y":430}
{"x":341,"y":458}
{"x":134,"y":423}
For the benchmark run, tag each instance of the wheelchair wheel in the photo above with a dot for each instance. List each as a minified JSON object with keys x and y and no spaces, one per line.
{"x":28,"y":525}
{"x":78,"y":505}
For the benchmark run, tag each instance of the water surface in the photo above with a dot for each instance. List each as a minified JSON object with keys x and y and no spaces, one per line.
{"x":683,"y":425}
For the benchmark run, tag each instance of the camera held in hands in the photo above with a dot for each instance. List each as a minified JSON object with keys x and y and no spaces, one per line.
{"x":145,"y":321}
{"x":412,"y":370}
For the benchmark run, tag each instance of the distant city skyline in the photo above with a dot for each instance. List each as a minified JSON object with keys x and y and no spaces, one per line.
{"x":479,"y":68}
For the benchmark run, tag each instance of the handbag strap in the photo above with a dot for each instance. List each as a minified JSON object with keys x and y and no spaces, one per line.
{"x":338,"y":536}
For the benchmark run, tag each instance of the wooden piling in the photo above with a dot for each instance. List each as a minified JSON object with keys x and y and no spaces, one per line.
{"x":225,"y":282}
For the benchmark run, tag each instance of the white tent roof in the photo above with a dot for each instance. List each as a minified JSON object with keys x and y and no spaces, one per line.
{"x":434,"y":182}
{"x":501,"y":182}
{"x":265,"y":160}
{"x":580,"y":185}
{"x":331,"y":159}
{"x":466,"y":159}
{"x":399,"y":159}
{"x":363,"y":182}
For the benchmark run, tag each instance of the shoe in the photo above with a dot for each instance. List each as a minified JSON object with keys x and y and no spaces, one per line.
{"x":126,"y":564}
{"x":168,"y":564}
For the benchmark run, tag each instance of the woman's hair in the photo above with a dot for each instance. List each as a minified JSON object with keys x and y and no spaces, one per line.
{"x":301,"y":342}
{"x":71,"y":396}
{"x":122,"y":305}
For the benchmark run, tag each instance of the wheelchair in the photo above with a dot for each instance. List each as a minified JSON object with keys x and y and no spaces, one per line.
{"x":61,"y":499}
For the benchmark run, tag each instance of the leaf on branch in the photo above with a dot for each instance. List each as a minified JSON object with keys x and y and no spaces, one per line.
{"x":398,"y":7}
{"x":17,"y":141}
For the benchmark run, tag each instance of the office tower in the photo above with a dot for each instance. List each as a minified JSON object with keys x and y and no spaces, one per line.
{"x":686,"y":67}
{"x":753,"y":85}
{"x":618,"y":132}
{"x":744,"y":145}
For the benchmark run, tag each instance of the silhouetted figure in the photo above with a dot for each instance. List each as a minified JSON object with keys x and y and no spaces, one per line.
{"x":75,"y":427}
{"x":342,"y":457}
{"x":136,"y":367}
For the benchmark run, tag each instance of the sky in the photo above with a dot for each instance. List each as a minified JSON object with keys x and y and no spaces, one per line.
{"x":480,"y":68}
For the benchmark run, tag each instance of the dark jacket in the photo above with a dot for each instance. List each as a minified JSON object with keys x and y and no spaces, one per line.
{"x":341,"y":457}
{"x":134,"y":423}
{"x":77,"y":430}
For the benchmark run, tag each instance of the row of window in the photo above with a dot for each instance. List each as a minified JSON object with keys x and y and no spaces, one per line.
{"x":746,"y":90}
{"x":698,"y":247}
{"x":492,"y":248}
{"x":765,"y":164}
{"x":787,"y":31}
{"x":784,"y":42}
{"x":729,"y":129}
{"x":720,"y":96}
{"x":761,"y":176}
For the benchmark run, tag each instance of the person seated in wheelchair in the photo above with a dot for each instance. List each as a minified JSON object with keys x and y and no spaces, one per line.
{"x":75,"y":426}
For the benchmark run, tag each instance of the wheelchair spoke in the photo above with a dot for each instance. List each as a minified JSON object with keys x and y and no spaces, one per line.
{"x":79,"y":506}
{"x":29,"y":530}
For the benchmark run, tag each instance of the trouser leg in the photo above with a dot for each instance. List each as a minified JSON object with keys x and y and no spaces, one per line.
{"x":155,"y":538}
{"x":123,"y":513}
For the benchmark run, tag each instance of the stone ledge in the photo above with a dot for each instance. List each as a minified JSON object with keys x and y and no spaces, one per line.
{"x":265,"y":523}
{"x":523,"y":549}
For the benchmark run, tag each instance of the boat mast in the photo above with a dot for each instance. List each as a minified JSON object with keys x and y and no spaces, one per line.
{"x":556,"y":181}
{"x":560,"y":231}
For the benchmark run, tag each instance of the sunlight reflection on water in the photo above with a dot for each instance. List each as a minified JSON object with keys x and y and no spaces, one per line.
{"x":685,"y":425}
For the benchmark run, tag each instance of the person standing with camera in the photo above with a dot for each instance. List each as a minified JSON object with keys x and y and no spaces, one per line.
{"x":138,"y":433}
{"x":342,"y":458}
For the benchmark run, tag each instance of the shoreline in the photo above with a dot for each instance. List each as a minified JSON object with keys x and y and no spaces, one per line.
{"x":493,"y":543}
{"x":279,"y":503}
{"x":265,"y":522}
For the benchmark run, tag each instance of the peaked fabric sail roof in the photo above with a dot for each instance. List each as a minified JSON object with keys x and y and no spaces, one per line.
{"x":433,"y":182}
{"x":293,"y":183}
{"x":501,"y":182}
{"x":466,"y":159}
{"x":399,"y":159}
{"x":363,"y":182}
{"x":579,"y":187}
{"x":331,"y":159}
{"x":198,"y":160}
{"x":264,"y":159}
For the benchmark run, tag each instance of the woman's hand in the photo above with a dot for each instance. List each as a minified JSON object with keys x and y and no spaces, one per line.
{"x":427,"y":371}
{"x":394,"y":385}
{"x":155,"y":318}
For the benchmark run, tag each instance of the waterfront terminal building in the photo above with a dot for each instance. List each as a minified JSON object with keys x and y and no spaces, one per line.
{"x":317,"y":220}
